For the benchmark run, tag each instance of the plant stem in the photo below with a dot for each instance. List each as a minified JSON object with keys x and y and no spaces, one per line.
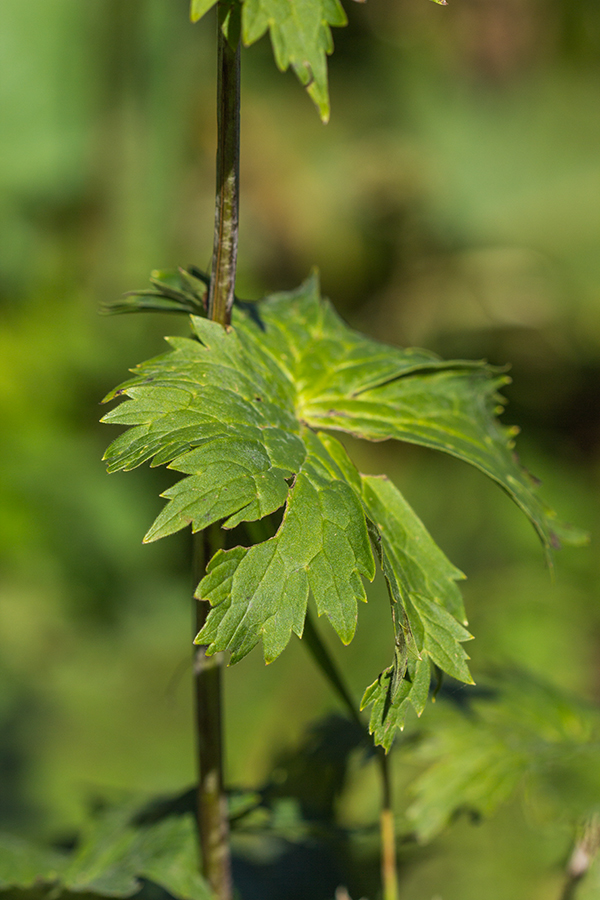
{"x":323,"y":659}
{"x":389,"y":872}
{"x":213,"y":823}
{"x":213,"y":820}
{"x":222,"y":282}
{"x":584,"y":852}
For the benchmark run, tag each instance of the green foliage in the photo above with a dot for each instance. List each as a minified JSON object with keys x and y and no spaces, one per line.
{"x":426,"y":604}
{"x":177,"y":292}
{"x":484,"y":183}
{"x":300,"y":33}
{"x":23,"y":864}
{"x":527,"y":735}
{"x":111,"y":858}
{"x":301,"y":37}
{"x":240,"y":414}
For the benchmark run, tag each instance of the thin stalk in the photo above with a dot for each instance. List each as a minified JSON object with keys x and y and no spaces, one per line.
{"x":213,"y":822}
{"x":323,"y":659}
{"x":222,"y":282}
{"x":326,"y":664}
{"x":387,"y":830}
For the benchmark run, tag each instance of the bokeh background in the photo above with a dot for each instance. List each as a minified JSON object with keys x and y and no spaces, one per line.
{"x":453,"y":202}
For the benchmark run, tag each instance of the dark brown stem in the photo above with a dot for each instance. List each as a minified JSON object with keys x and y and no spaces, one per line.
{"x":212,"y":801}
{"x":222,"y":282}
{"x":213,"y":820}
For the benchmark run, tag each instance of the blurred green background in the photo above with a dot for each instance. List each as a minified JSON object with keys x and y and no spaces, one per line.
{"x":453,"y":203}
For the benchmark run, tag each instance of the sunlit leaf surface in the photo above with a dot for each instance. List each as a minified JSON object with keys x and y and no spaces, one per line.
{"x":242,"y":414}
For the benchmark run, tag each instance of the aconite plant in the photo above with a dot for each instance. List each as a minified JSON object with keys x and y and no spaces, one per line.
{"x":248,"y":409}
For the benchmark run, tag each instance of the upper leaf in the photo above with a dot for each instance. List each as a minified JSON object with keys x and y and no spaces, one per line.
{"x":199,"y":8}
{"x":300,"y":35}
{"x":241,"y":413}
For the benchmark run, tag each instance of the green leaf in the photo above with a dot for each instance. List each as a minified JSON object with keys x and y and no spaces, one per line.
{"x":241,"y":412}
{"x":449,"y":407}
{"x":425,"y":603}
{"x":322,"y":544}
{"x":402,"y":685}
{"x":300,"y":36}
{"x":200,"y":8}
{"x":24,"y":864}
{"x":523,"y":733}
{"x":171,"y":858}
{"x":410,"y":553}
{"x":111,"y":858}
{"x":182,"y":291}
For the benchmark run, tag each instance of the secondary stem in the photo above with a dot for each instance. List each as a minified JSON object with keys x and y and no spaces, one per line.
{"x":323,"y":659}
{"x":584,"y":852}
{"x":389,"y":871}
{"x":222,"y":283}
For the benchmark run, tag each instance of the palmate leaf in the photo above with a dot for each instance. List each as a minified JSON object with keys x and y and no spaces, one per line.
{"x":242,"y":414}
{"x":300,"y":33}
